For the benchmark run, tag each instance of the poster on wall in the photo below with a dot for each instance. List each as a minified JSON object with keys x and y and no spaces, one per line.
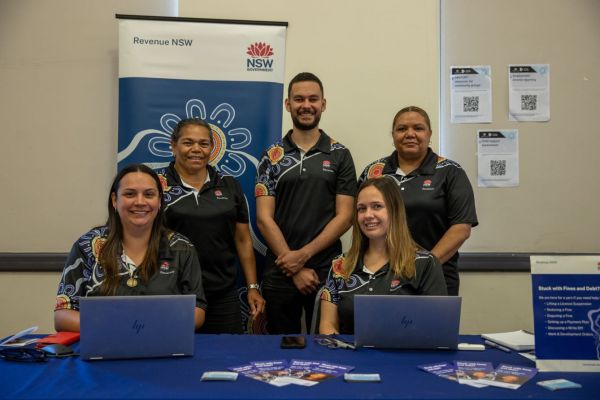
{"x":498,"y":158}
{"x":228,"y":73}
{"x":529,"y":92}
{"x":566,"y":312}
{"x":470,"y":94}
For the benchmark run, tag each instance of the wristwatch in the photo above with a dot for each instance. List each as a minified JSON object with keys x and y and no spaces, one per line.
{"x":254,"y":286}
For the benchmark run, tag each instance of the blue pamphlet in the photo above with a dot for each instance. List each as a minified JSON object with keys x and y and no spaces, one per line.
{"x":566,"y":312}
{"x":509,"y":376}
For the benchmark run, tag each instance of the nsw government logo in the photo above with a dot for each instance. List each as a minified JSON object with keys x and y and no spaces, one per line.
{"x":260,"y":57}
{"x":327,"y":166}
{"x":427,"y":185}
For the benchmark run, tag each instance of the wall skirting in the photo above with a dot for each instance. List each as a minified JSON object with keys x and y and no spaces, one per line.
{"x":32,"y":262}
{"x":500,"y":262}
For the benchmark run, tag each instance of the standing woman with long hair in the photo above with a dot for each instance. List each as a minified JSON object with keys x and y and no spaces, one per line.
{"x":133,"y":254}
{"x":382,"y":260}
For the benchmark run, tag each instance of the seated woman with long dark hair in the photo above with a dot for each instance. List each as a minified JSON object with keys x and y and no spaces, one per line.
{"x":133,"y":254}
{"x":383,"y":258}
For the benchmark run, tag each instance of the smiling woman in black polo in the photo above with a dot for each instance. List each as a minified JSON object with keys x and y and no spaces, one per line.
{"x":439,"y":200}
{"x":134,"y":254}
{"x":211,"y":210}
{"x":383,"y":259}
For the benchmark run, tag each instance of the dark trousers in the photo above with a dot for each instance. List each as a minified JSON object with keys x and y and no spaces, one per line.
{"x":284,"y":309}
{"x":223,"y":313}
{"x":452,"y":281}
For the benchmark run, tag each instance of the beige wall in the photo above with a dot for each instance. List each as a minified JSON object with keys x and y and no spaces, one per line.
{"x":492,"y":302}
{"x":27,"y":299}
{"x":58,"y":72}
{"x":373,"y":58}
{"x":58,"y":108}
{"x":555,"y":208}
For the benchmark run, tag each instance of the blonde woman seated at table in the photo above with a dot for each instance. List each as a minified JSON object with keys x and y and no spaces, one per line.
{"x":134,"y":254}
{"x":383,"y":258}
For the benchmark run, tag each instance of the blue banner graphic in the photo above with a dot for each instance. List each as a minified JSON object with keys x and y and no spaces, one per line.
{"x":230,"y":75}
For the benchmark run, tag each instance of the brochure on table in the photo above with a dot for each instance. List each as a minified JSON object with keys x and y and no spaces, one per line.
{"x":566,"y":312}
{"x":480,"y":374}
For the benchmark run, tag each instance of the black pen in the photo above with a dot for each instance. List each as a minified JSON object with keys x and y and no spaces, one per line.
{"x":497,"y":346}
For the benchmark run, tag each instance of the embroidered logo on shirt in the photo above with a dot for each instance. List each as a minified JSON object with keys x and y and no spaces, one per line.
{"x":427,"y":185}
{"x":260,"y":190}
{"x":97,"y":245}
{"x":327,"y":166}
{"x":163,"y":183}
{"x":337,"y":266}
{"x":275,"y":154}
{"x":396,"y":284}
{"x":375,"y":170}
{"x":165,"y":268}
{"x":219,"y":195}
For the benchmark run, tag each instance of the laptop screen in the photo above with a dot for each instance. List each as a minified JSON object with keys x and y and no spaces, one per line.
{"x":114,"y":327}
{"x":407,"y":322}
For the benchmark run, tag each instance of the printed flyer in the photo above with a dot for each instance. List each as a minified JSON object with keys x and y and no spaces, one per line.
{"x":297,"y":372}
{"x":529,"y":92}
{"x":509,"y":376}
{"x":566,"y":312}
{"x":471,"y":94}
{"x":447,"y":371}
{"x":469,"y":371}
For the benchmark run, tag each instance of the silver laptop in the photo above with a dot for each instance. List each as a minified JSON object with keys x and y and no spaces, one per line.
{"x":407,"y":322}
{"x":117,"y":327}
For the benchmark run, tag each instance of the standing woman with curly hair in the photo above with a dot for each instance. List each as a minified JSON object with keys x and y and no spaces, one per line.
{"x":210,"y":208}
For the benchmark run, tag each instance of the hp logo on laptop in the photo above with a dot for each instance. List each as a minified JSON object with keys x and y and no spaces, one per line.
{"x":137,"y":326}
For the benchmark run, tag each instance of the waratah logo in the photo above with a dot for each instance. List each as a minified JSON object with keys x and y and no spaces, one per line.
{"x":259,"y":50}
{"x":260,"y":57}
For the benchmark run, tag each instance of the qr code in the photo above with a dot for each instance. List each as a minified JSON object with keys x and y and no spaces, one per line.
{"x":529,"y":102}
{"x":497,"y":167}
{"x":471,"y":104}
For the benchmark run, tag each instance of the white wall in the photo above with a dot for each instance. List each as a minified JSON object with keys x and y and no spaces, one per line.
{"x":58,"y":74}
{"x":58,"y":107}
{"x":373,"y":58}
{"x":555,"y":207}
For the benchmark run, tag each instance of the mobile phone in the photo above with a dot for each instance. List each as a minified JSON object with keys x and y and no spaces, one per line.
{"x":293,"y":342}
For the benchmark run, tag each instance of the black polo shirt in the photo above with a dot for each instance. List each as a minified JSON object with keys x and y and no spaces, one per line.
{"x":178,"y":271}
{"x":436,"y":195}
{"x":428,"y":280}
{"x":209,"y":220}
{"x":305,"y":187}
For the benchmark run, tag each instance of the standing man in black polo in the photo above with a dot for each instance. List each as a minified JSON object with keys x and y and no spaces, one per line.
{"x":305,"y":191}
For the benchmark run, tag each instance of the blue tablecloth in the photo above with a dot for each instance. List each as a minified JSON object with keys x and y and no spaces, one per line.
{"x":180,"y":377}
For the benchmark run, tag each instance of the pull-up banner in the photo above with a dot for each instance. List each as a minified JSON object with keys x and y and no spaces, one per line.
{"x":229,"y":73}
